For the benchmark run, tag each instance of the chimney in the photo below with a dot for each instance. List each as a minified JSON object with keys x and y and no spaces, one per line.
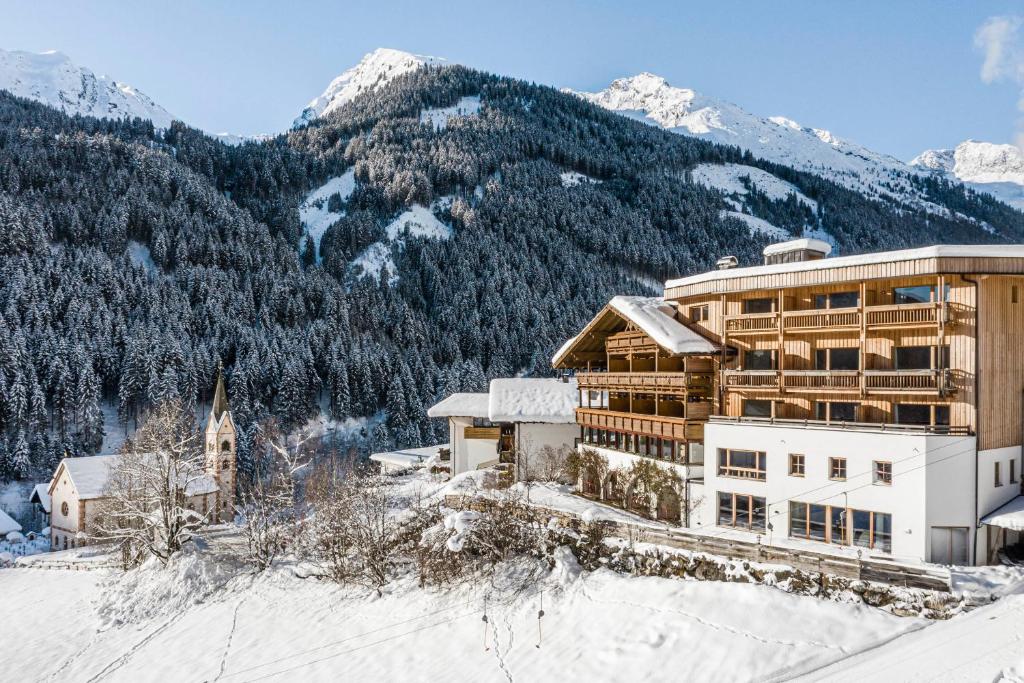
{"x":806,"y":249}
{"x":726,"y":262}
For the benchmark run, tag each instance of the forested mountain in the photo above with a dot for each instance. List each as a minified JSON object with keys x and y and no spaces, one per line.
{"x":460,"y":226}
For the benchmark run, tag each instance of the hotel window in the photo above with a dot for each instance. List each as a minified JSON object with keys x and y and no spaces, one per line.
{"x":741,"y":464}
{"x":741,"y":511}
{"x":837,"y":300}
{"x":882,"y":472}
{"x":763,"y":359}
{"x":998,"y":475}
{"x":844,"y":526}
{"x":837,"y":469}
{"x":913,"y":414}
{"x":757,"y":408}
{"x":837,"y":359}
{"x":796,"y":465}
{"x":919,"y":294}
{"x":835,"y":411}
{"x":807,"y":520}
{"x":765,"y":305}
{"x":698,"y":313}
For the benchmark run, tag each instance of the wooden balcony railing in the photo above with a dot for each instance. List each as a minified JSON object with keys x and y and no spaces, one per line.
{"x":907,"y":315}
{"x":871,"y":381}
{"x":752,"y":379}
{"x":639,"y":381}
{"x":896,"y":315}
{"x":821,"y":318}
{"x":651,"y":425}
{"x":821,"y":379}
{"x":909,"y":380}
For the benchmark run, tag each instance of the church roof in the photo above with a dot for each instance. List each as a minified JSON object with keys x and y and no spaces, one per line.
{"x":89,"y":476}
{"x":220,"y":398}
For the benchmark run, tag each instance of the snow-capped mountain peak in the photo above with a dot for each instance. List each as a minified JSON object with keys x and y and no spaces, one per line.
{"x":984,"y":166}
{"x":651,"y":98}
{"x":373,"y":70}
{"x":53,"y":79}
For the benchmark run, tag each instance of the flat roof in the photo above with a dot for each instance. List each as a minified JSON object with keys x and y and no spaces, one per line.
{"x":1002,"y":252}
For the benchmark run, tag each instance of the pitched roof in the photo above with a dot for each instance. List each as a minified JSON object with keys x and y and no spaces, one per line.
{"x":40,"y":495}
{"x":460,"y":405}
{"x":89,"y":476}
{"x":220,"y":398}
{"x":7,"y":525}
{"x":523,"y":399}
{"x":655,"y":316}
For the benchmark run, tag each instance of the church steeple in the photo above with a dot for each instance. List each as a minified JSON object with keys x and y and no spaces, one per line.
{"x":220,"y":397}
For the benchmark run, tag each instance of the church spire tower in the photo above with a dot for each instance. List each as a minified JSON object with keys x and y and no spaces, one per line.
{"x":221,"y":460}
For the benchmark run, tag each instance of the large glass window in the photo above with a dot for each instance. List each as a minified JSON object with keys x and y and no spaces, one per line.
{"x":759,"y":360}
{"x":840,"y":525}
{"x":918,"y":294}
{"x":837,"y":300}
{"x":914,"y":358}
{"x":842,"y":412}
{"x":837,"y":517}
{"x":757,"y":408}
{"x":741,"y":511}
{"x":766,"y":305}
{"x":913,"y":414}
{"x":741,"y":464}
{"x":837,"y":359}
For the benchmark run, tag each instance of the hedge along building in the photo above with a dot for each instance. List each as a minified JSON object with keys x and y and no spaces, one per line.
{"x":872,"y":401}
{"x":519,"y":421}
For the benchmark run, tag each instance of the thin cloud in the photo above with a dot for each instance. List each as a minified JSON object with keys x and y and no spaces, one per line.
{"x":1001,"y":40}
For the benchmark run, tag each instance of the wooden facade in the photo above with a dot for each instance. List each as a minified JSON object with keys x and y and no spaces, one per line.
{"x":927,"y":338}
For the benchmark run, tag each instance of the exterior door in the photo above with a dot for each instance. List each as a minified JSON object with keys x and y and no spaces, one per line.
{"x":949,"y":545}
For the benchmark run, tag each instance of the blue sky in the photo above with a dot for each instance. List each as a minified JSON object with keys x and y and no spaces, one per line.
{"x":898,"y":77}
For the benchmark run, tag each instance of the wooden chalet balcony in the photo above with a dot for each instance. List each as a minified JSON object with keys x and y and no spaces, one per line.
{"x":685,"y":429}
{"x":876,"y":317}
{"x":870,"y":381}
{"x":752,"y":379}
{"x":752,"y":323}
{"x":913,"y":381}
{"x":662,"y":382}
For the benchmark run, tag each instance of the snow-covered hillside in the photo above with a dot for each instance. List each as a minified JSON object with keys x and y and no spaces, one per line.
{"x":984,"y":166}
{"x":652,"y":99}
{"x":373,"y":71}
{"x":53,"y":79}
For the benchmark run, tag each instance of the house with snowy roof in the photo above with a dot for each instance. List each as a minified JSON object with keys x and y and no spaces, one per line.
{"x":7,"y":525}
{"x":39,"y":499}
{"x":867,"y":404}
{"x":514,"y":421}
{"x":78,"y":488}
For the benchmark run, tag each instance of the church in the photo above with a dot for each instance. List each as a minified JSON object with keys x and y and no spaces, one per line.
{"x":78,"y":487}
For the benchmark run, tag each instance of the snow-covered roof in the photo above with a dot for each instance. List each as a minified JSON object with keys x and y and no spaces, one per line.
{"x":460,"y":405}
{"x":40,"y":494}
{"x":408,"y":457}
{"x":939,"y":251}
{"x":7,"y":525}
{"x":797,"y":245}
{"x":524,"y":399}
{"x":89,"y":476}
{"x":656,"y":317}
{"x":1010,"y":516}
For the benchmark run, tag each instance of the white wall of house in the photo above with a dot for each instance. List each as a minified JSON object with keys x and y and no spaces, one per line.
{"x":992,"y":497}
{"x":622,"y":460}
{"x":931,"y":486}
{"x":536,"y":435}
{"x":468,"y":454}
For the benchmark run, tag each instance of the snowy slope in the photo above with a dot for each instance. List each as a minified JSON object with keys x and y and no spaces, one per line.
{"x":314,"y":213}
{"x":984,"y":166}
{"x":373,"y":71}
{"x":53,"y":79}
{"x":652,"y":99}
{"x":417,"y":221}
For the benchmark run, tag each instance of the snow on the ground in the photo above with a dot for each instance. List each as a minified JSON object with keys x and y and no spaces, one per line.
{"x":140,"y":256}
{"x":574,"y":178}
{"x":314,"y":212}
{"x":438,"y":117}
{"x":758,"y":224}
{"x":729,"y":179}
{"x":79,"y":626}
{"x":416,"y":221}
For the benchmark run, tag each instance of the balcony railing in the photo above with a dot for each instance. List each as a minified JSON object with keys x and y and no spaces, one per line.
{"x":686,"y":429}
{"x":871,"y":381}
{"x":835,"y":424}
{"x":752,"y":379}
{"x":639,"y":381}
{"x":896,"y":315}
{"x":821,"y":379}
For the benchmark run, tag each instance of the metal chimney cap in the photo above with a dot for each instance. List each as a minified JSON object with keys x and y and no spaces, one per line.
{"x":726,"y":262}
